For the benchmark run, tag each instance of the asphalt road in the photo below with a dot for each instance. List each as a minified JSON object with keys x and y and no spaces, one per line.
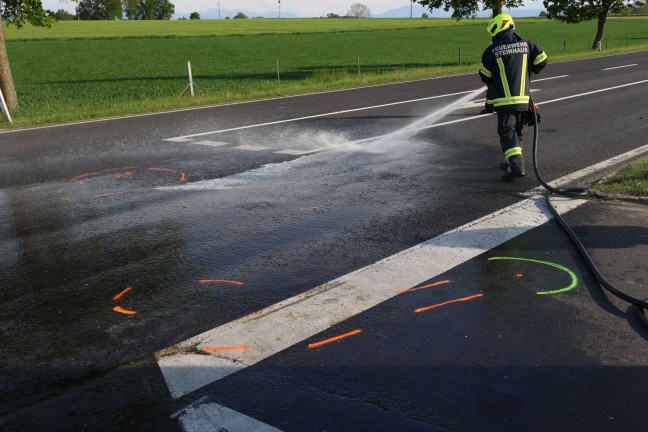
{"x":124,"y":237}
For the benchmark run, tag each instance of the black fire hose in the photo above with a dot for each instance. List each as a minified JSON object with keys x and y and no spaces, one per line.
{"x":575,"y":193}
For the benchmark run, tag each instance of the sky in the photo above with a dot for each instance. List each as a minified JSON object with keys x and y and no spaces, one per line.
{"x":301,"y":8}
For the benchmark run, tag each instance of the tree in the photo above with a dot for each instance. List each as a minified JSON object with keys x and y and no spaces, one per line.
{"x":18,"y":13}
{"x":469,"y":8}
{"x":153,"y":10}
{"x":63,"y":15}
{"x":240,"y":15}
{"x":194,"y":16}
{"x":130,"y":8}
{"x":99,"y":9}
{"x":357,"y":10}
{"x":575,"y":11}
{"x":332,"y":15}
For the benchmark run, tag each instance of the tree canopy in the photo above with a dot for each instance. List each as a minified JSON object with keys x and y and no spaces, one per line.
{"x":469,"y":8}
{"x":99,"y":9}
{"x":150,"y":10}
{"x":21,"y":12}
{"x":358,"y":10}
{"x":575,"y":11}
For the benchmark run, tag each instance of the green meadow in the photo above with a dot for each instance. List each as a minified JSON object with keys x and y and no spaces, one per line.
{"x":84,"y":70}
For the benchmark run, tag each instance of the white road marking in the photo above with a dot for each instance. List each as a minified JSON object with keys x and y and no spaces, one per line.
{"x":291,"y":321}
{"x":549,"y":78}
{"x":620,"y":67}
{"x":178,"y":139}
{"x":204,"y":416}
{"x":186,"y":137}
{"x":211,"y":143}
{"x":251,"y":148}
{"x":296,"y":152}
{"x":186,"y":367}
{"x":436,"y":125}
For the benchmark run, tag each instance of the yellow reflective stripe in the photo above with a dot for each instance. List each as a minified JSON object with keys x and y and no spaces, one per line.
{"x":485,"y":71}
{"x":505,"y":85}
{"x":514,"y":151}
{"x":523,"y":78}
{"x":541,"y":57}
{"x":516,"y":100}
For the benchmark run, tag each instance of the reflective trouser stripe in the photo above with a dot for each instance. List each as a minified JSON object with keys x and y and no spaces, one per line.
{"x":513,"y":151}
{"x":511,"y":101}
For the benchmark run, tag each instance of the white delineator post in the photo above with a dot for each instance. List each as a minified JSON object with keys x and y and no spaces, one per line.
{"x":5,"y":109}
{"x":191,"y":85}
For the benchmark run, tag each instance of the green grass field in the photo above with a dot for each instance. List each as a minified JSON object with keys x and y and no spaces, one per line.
{"x":83,"y":70}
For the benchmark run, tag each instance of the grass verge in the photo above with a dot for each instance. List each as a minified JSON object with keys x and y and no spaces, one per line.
{"x":631,"y":180}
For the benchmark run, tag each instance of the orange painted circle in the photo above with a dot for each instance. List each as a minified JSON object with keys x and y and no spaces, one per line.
{"x":119,"y":181}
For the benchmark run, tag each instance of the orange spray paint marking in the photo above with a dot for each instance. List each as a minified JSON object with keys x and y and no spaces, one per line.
{"x":423,"y":309}
{"x":227,"y":348}
{"x":205,"y":281}
{"x":125,"y":175}
{"x":82,"y":176}
{"x":424,"y":286}
{"x":118,"y":296}
{"x":183,"y":177}
{"x":124,"y":311}
{"x":162,"y":169}
{"x":519,"y":275}
{"x":333,"y":339}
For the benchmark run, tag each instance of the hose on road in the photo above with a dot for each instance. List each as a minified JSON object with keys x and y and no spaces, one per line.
{"x":579,"y":193}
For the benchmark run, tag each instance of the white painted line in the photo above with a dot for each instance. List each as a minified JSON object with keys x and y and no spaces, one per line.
{"x":251,"y":148}
{"x":549,"y":78}
{"x":186,"y":367}
{"x":204,"y":416}
{"x":436,"y":125}
{"x":317,"y":116}
{"x":295,"y":152}
{"x":397,"y":103}
{"x":211,"y":143}
{"x":591,"y":170}
{"x":178,"y":139}
{"x":619,"y":67}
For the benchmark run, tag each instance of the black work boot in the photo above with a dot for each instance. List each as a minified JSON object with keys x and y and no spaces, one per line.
{"x":514,"y":169}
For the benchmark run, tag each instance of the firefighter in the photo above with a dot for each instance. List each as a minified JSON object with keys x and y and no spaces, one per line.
{"x":506,"y":67}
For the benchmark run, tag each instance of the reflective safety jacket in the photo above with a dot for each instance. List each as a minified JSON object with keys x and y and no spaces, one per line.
{"x":506,"y":67}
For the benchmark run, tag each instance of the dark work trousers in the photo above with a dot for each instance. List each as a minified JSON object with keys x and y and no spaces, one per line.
{"x":509,"y":127}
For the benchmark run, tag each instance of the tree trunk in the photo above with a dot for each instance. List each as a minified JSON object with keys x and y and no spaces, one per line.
{"x":497,"y":7}
{"x":601,"y":28}
{"x":6,"y":79}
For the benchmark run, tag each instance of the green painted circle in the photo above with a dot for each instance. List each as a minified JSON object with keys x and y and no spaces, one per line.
{"x":571,"y":286}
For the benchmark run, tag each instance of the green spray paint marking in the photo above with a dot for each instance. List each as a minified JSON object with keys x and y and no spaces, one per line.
{"x":571,"y":286}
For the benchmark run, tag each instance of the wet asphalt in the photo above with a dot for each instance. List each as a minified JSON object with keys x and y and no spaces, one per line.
{"x":89,"y":210}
